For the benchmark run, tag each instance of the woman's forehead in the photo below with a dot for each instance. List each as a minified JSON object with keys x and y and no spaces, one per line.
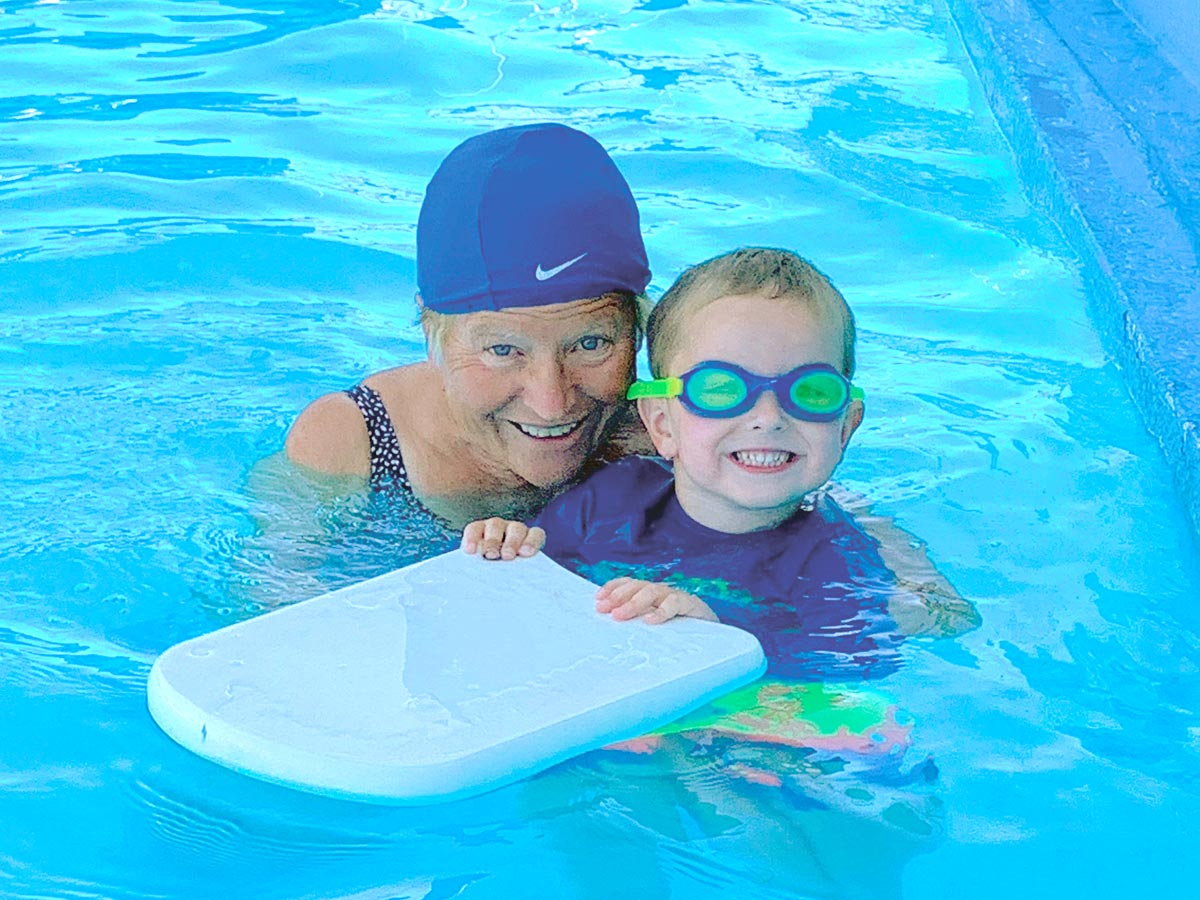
{"x":543,"y":319}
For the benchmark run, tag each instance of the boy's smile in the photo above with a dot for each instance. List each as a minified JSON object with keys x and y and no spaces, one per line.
{"x":751,"y":471}
{"x":763,"y":460}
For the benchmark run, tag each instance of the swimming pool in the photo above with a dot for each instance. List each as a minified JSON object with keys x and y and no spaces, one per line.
{"x":207,"y":220}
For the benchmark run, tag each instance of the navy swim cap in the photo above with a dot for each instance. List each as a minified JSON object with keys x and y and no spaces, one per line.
{"x":527,"y":216}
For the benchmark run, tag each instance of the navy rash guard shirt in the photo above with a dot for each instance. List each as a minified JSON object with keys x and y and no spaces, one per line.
{"x":813,"y":590}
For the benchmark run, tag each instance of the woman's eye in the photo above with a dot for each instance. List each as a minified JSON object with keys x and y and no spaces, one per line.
{"x":593,"y":342}
{"x":501,"y":349}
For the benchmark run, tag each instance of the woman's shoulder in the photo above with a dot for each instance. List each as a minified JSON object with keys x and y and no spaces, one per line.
{"x":414,"y":397}
{"x":330,"y":434}
{"x":401,"y":380}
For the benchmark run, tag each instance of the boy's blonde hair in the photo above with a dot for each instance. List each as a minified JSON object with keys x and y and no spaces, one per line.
{"x":435,"y":324}
{"x":750,"y":271}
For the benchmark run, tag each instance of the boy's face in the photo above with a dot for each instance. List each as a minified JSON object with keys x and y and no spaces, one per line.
{"x":752,"y":471}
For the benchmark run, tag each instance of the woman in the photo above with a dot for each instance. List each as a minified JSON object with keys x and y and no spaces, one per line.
{"x":531,"y":268}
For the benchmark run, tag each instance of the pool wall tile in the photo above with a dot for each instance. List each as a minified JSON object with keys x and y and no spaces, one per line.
{"x":1105,"y":127}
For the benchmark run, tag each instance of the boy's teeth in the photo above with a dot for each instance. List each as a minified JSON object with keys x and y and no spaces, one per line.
{"x":762,"y":458}
{"x":550,"y":431}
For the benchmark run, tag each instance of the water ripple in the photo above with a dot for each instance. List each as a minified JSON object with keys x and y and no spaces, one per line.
{"x":84,"y":666}
{"x":167,"y":166}
{"x":235,"y":836}
{"x":110,"y":107}
{"x":188,"y":34}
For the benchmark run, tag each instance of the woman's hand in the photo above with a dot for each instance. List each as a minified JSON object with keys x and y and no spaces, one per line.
{"x":498,"y":538}
{"x":653,"y":602}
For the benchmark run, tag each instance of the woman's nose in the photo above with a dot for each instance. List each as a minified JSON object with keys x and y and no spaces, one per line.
{"x":546,"y":390}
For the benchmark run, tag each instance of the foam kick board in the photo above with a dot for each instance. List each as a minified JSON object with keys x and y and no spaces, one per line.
{"x":437,"y":681}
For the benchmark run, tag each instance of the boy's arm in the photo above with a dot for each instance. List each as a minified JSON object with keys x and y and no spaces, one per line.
{"x":926,"y":603}
{"x":927,"y":609}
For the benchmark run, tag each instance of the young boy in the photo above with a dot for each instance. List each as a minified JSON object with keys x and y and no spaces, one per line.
{"x":750,"y":410}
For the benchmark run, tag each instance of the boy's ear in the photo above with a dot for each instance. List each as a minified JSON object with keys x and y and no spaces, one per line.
{"x":854,"y":417}
{"x":653,"y":411}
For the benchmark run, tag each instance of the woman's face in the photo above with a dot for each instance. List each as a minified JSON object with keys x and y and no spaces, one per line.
{"x":534,"y":389}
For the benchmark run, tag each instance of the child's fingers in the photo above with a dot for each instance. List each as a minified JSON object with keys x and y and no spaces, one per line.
{"x":667,"y":607}
{"x":679,"y":603}
{"x":521,"y":540}
{"x":639,"y":599}
{"x":604,"y":601}
{"x":652,"y":602}
{"x":498,"y":538}
{"x":515,"y":535}
{"x":472,"y":535}
{"x":492,"y":539}
{"x":615,"y":592}
{"x":611,"y":585}
{"x":493,"y":536}
{"x":535,"y":539}
{"x":658,"y":615}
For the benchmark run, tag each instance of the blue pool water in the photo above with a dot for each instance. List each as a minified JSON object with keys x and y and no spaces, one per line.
{"x":206,"y":220}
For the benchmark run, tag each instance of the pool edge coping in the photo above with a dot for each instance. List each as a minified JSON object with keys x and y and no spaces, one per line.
{"x":1122,"y":191}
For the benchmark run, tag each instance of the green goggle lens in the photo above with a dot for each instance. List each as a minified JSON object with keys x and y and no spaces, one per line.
{"x":819,"y":392}
{"x":716,"y":389}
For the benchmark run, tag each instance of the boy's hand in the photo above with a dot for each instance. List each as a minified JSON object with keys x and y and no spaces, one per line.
{"x":653,"y":602}
{"x":498,"y":538}
{"x":931,"y":609}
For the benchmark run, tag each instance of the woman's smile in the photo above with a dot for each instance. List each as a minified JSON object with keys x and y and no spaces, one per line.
{"x":547,"y":432}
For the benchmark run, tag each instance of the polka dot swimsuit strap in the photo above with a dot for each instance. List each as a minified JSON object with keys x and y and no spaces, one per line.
{"x":387,"y":465}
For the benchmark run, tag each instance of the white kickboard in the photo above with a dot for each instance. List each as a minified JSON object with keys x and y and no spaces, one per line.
{"x":437,"y":681}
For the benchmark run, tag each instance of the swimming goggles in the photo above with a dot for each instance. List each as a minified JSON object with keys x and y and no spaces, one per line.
{"x":816,"y":392}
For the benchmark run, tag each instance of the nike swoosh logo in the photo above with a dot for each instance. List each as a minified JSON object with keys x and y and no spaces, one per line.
{"x":546,"y":274}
